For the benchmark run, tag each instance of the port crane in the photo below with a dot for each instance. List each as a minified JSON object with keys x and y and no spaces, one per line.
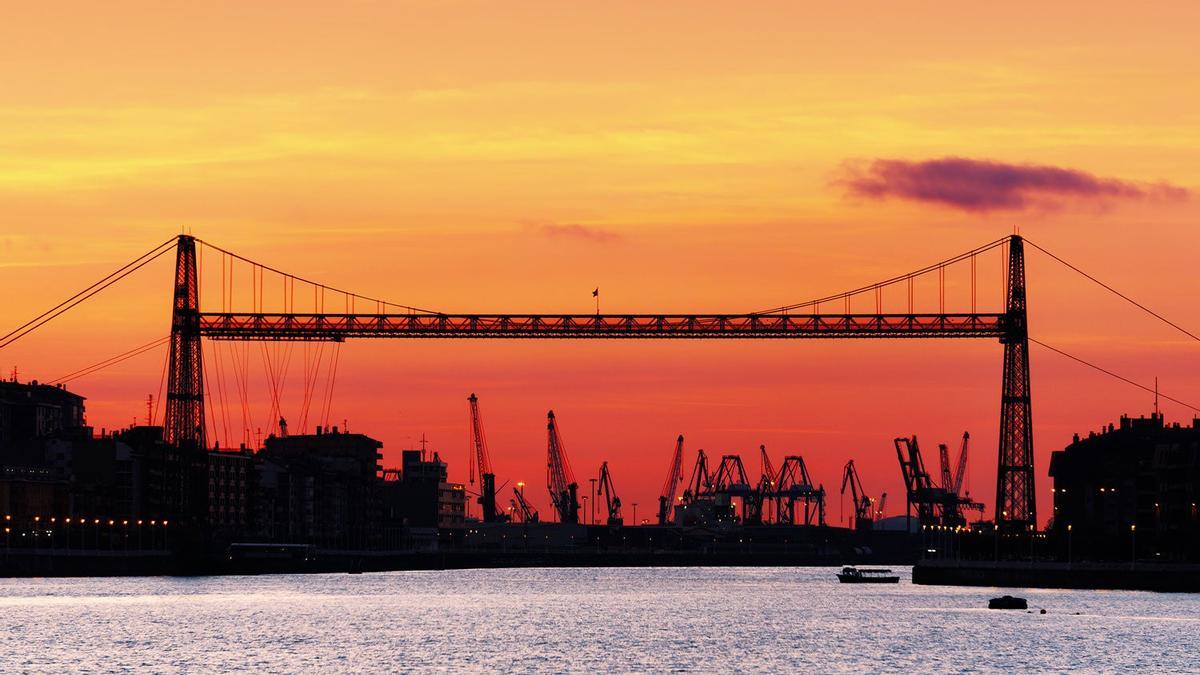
{"x":731,"y":477}
{"x":483,"y":465}
{"x":764,"y":493}
{"x":522,"y":511}
{"x":936,"y":506}
{"x":666,"y":500}
{"x":560,"y":480}
{"x":701,"y":481}
{"x":611,"y":500}
{"x":864,"y":512}
{"x":795,"y":484}
{"x":729,"y":481}
{"x":960,"y":472}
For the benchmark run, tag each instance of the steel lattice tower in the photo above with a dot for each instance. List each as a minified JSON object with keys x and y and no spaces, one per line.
{"x":184,"y":425}
{"x":1016,"y":508}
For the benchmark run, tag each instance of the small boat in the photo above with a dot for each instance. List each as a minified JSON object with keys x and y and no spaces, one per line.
{"x":1008,"y":602}
{"x":853,"y":575}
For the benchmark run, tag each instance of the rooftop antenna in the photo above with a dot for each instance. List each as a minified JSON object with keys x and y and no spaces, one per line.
{"x":1156,"y":395}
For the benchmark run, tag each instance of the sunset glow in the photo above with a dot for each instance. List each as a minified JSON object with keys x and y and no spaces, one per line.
{"x":679,"y":157}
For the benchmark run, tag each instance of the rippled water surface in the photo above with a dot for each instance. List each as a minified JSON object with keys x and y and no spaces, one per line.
{"x":699,"y":619}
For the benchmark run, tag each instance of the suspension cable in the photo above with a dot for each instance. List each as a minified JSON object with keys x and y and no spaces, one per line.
{"x":331,"y":377}
{"x":222,"y":396}
{"x":893,"y":280}
{"x":315,"y":284}
{"x":1119,"y":294}
{"x":110,"y":361}
{"x":1114,"y":375}
{"x":161,"y":384}
{"x":66,"y":305}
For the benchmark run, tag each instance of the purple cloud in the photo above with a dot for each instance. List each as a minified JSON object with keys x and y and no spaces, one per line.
{"x":577,"y":231}
{"x":982,"y":185}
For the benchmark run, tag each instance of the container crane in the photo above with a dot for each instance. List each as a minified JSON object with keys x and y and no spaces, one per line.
{"x":731,"y":481}
{"x":560,"y":480}
{"x":795,"y":484}
{"x":731,"y":476}
{"x":666,"y":500}
{"x":864,"y":516}
{"x":483,"y":464}
{"x":611,"y":500}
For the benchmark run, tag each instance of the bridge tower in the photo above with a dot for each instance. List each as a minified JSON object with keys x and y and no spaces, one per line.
{"x":1016,"y":509}
{"x":184,"y":424}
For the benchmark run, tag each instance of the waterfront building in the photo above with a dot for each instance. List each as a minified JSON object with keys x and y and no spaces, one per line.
{"x":230,"y":488}
{"x":420,"y":495}
{"x":325,"y":489}
{"x":452,"y":506}
{"x":32,"y":411}
{"x":1130,"y":490}
{"x":321,"y":488}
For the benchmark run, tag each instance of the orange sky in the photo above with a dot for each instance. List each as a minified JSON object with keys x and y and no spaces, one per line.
{"x":681,"y":156}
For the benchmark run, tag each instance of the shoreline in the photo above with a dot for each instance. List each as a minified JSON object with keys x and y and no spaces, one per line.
{"x":1137,"y":576}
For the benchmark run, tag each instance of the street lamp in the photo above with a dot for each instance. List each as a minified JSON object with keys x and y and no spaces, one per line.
{"x":593,"y":482}
{"x":1132,"y":545}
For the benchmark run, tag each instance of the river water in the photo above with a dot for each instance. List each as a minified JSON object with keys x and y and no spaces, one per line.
{"x":581,"y":620}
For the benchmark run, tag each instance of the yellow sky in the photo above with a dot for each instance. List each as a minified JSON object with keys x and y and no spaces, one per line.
{"x":512,"y":156}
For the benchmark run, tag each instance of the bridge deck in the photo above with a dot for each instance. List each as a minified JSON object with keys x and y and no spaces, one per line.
{"x":336,"y":327}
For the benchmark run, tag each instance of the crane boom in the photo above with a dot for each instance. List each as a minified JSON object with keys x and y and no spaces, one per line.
{"x":611,"y":500}
{"x":560,"y":480}
{"x":700,"y":482}
{"x":760,"y":500}
{"x":961,"y":471}
{"x":483,"y":463}
{"x":944,"y":458}
{"x":670,"y":489}
{"x":768,"y":467}
{"x":522,"y":509}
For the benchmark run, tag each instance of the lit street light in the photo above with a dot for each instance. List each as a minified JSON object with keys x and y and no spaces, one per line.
{"x":1132,"y":545}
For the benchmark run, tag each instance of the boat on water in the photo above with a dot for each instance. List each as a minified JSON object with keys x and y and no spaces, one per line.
{"x":1009,"y":602}
{"x":853,"y":575}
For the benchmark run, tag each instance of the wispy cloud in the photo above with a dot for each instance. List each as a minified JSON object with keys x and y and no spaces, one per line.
{"x":577,"y":231}
{"x":983,"y":185}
